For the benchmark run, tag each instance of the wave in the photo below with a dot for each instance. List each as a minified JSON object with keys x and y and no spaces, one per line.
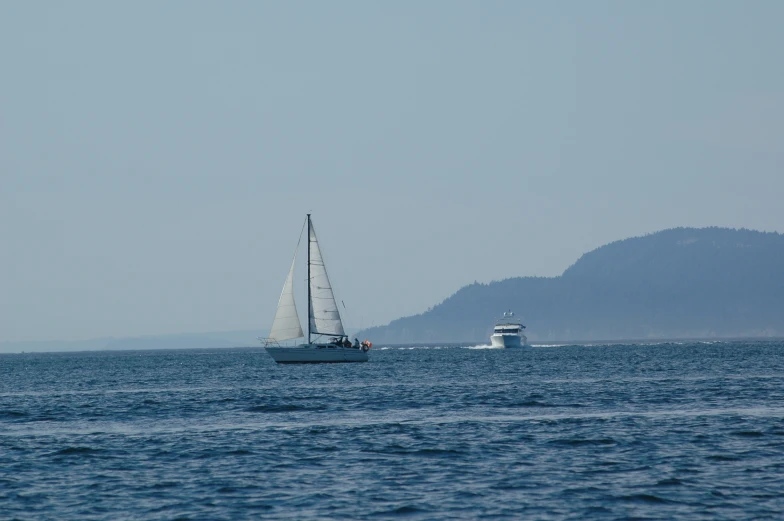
{"x":68,"y":451}
{"x":367,"y":420}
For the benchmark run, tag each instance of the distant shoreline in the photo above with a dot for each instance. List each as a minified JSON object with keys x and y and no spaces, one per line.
{"x":622,"y":341}
{"x":547,"y":343}
{"x":642,"y":341}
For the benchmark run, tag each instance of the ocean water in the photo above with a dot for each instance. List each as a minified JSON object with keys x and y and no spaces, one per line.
{"x":667,"y":431}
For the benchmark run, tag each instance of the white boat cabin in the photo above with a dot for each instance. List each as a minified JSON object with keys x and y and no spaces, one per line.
{"x":508,"y":329}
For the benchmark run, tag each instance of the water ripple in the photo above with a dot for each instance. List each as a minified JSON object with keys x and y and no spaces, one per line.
{"x":664,"y":431}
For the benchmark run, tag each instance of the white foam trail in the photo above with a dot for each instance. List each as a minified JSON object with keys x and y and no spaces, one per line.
{"x":410,"y":348}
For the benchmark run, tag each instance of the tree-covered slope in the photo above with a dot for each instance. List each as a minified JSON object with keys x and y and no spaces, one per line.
{"x":682,"y":282}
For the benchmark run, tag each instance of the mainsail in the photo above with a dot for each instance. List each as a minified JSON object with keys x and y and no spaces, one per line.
{"x":324,"y":315}
{"x":286,"y":324}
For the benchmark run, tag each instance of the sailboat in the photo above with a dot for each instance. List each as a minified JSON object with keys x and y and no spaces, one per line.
{"x":323,"y":319}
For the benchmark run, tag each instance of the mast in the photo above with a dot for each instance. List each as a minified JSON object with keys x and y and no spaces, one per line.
{"x":309,"y":303}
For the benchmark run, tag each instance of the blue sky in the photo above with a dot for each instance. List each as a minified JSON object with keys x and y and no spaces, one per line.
{"x":157,"y":159}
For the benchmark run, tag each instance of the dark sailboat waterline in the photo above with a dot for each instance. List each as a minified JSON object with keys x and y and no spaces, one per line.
{"x":667,"y":431}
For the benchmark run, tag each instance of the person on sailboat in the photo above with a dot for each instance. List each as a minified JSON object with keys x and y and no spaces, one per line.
{"x":356,"y":343}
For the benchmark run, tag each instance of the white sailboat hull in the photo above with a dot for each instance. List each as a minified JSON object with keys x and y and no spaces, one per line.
{"x":316,"y":354}
{"x":499,"y":340}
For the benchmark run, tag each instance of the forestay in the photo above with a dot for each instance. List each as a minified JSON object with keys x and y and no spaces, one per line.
{"x":324,"y":314}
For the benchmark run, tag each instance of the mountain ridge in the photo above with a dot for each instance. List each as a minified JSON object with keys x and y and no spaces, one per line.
{"x":674,"y":283}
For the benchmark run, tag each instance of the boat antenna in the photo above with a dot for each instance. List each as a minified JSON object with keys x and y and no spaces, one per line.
{"x":309,"y":304}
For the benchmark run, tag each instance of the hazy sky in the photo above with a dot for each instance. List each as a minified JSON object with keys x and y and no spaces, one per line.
{"x":157,"y":159}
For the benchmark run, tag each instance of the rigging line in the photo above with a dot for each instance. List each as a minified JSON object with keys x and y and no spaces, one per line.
{"x":300,"y":233}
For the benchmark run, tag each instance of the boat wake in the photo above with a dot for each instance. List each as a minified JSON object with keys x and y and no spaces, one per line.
{"x":448,"y":346}
{"x":410,"y":348}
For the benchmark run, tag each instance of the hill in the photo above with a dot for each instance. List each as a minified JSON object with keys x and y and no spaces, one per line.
{"x":677,"y":283}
